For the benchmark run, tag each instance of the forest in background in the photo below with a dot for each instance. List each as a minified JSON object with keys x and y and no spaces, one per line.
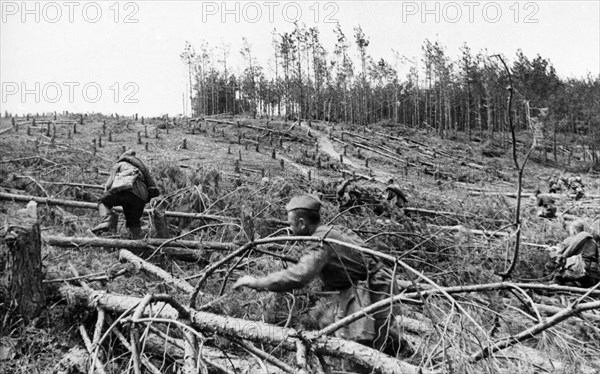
{"x":466,"y":93}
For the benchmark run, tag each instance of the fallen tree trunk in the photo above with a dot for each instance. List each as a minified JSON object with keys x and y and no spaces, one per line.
{"x":146,"y":244}
{"x":501,"y":234}
{"x":3,"y":131}
{"x":86,"y":205}
{"x":251,"y":330}
{"x":391,"y":157}
{"x":551,"y":310}
{"x":248,"y":126}
{"x":125,"y":255}
{"x":82,"y":185}
{"x":437,"y":213}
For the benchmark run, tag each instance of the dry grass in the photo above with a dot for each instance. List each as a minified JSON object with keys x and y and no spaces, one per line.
{"x":202,"y":179}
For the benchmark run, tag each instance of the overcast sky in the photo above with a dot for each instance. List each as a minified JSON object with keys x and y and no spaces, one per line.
{"x":108,"y":56}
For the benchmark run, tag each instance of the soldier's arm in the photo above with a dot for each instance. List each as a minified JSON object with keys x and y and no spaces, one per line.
{"x":561,"y":248}
{"x":111,"y":177}
{"x":148,"y":177}
{"x":296,"y":276}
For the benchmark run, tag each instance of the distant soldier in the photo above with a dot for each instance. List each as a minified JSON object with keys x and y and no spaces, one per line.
{"x":554,"y":185}
{"x":563,"y":183}
{"x":576,"y":258}
{"x":394,"y":195}
{"x":576,"y":187}
{"x":342,"y":189}
{"x":130,"y":186}
{"x":545,"y":204}
{"x":348,"y":196}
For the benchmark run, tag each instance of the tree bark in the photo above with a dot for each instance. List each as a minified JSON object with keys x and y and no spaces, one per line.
{"x":24,"y":263}
{"x":254,"y":331}
{"x":125,"y":255}
{"x":146,"y":244}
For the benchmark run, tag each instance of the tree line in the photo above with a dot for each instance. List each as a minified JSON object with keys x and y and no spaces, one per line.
{"x":467,"y":93}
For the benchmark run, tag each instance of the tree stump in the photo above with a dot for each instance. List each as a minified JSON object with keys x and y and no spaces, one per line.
{"x":161,"y":228}
{"x":24,"y":263}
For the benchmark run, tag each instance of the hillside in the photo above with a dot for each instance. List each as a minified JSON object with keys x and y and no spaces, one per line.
{"x":225,"y":182}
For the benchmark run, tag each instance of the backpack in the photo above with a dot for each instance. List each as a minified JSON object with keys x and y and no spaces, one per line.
{"x":576,"y":266}
{"x":125,"y":177}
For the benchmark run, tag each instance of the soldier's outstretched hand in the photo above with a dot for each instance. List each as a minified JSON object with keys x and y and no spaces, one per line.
{"x":245,"y":281}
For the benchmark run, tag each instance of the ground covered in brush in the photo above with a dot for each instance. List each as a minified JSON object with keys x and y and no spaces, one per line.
{"x":456,"y":231}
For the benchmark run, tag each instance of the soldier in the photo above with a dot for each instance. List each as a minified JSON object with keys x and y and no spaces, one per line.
{"x":545,"y":204}
{"x":576,"y":187}
{"x":342,"y":189}
{"x":357,"y":279}
{"x":554,"y":185}
{"x":576,"y":258}
{"x":348,"y":196}
{"x":394,"y":195}
{"x":130,"y":186}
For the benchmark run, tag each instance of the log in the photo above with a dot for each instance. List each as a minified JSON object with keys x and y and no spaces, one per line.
{"x":378,"y":152}
{"x":259,"y":332}
{"x":82,"y":185}
{"x":551,"y":310}
{"x":125,"y":255}
{"x":24,"y":263}
{"x":437,"y":213}
{"x":248,"y":126}
{"x":404,"y":139}
{"x":146,"y":244}
{"x":86,"y":205}
{"x":500,"y":234}
{"x":183,"y":250}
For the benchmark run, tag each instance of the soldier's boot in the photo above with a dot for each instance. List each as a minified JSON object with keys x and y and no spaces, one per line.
{"x":135,"y":232}
{"x":109,"y":220}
